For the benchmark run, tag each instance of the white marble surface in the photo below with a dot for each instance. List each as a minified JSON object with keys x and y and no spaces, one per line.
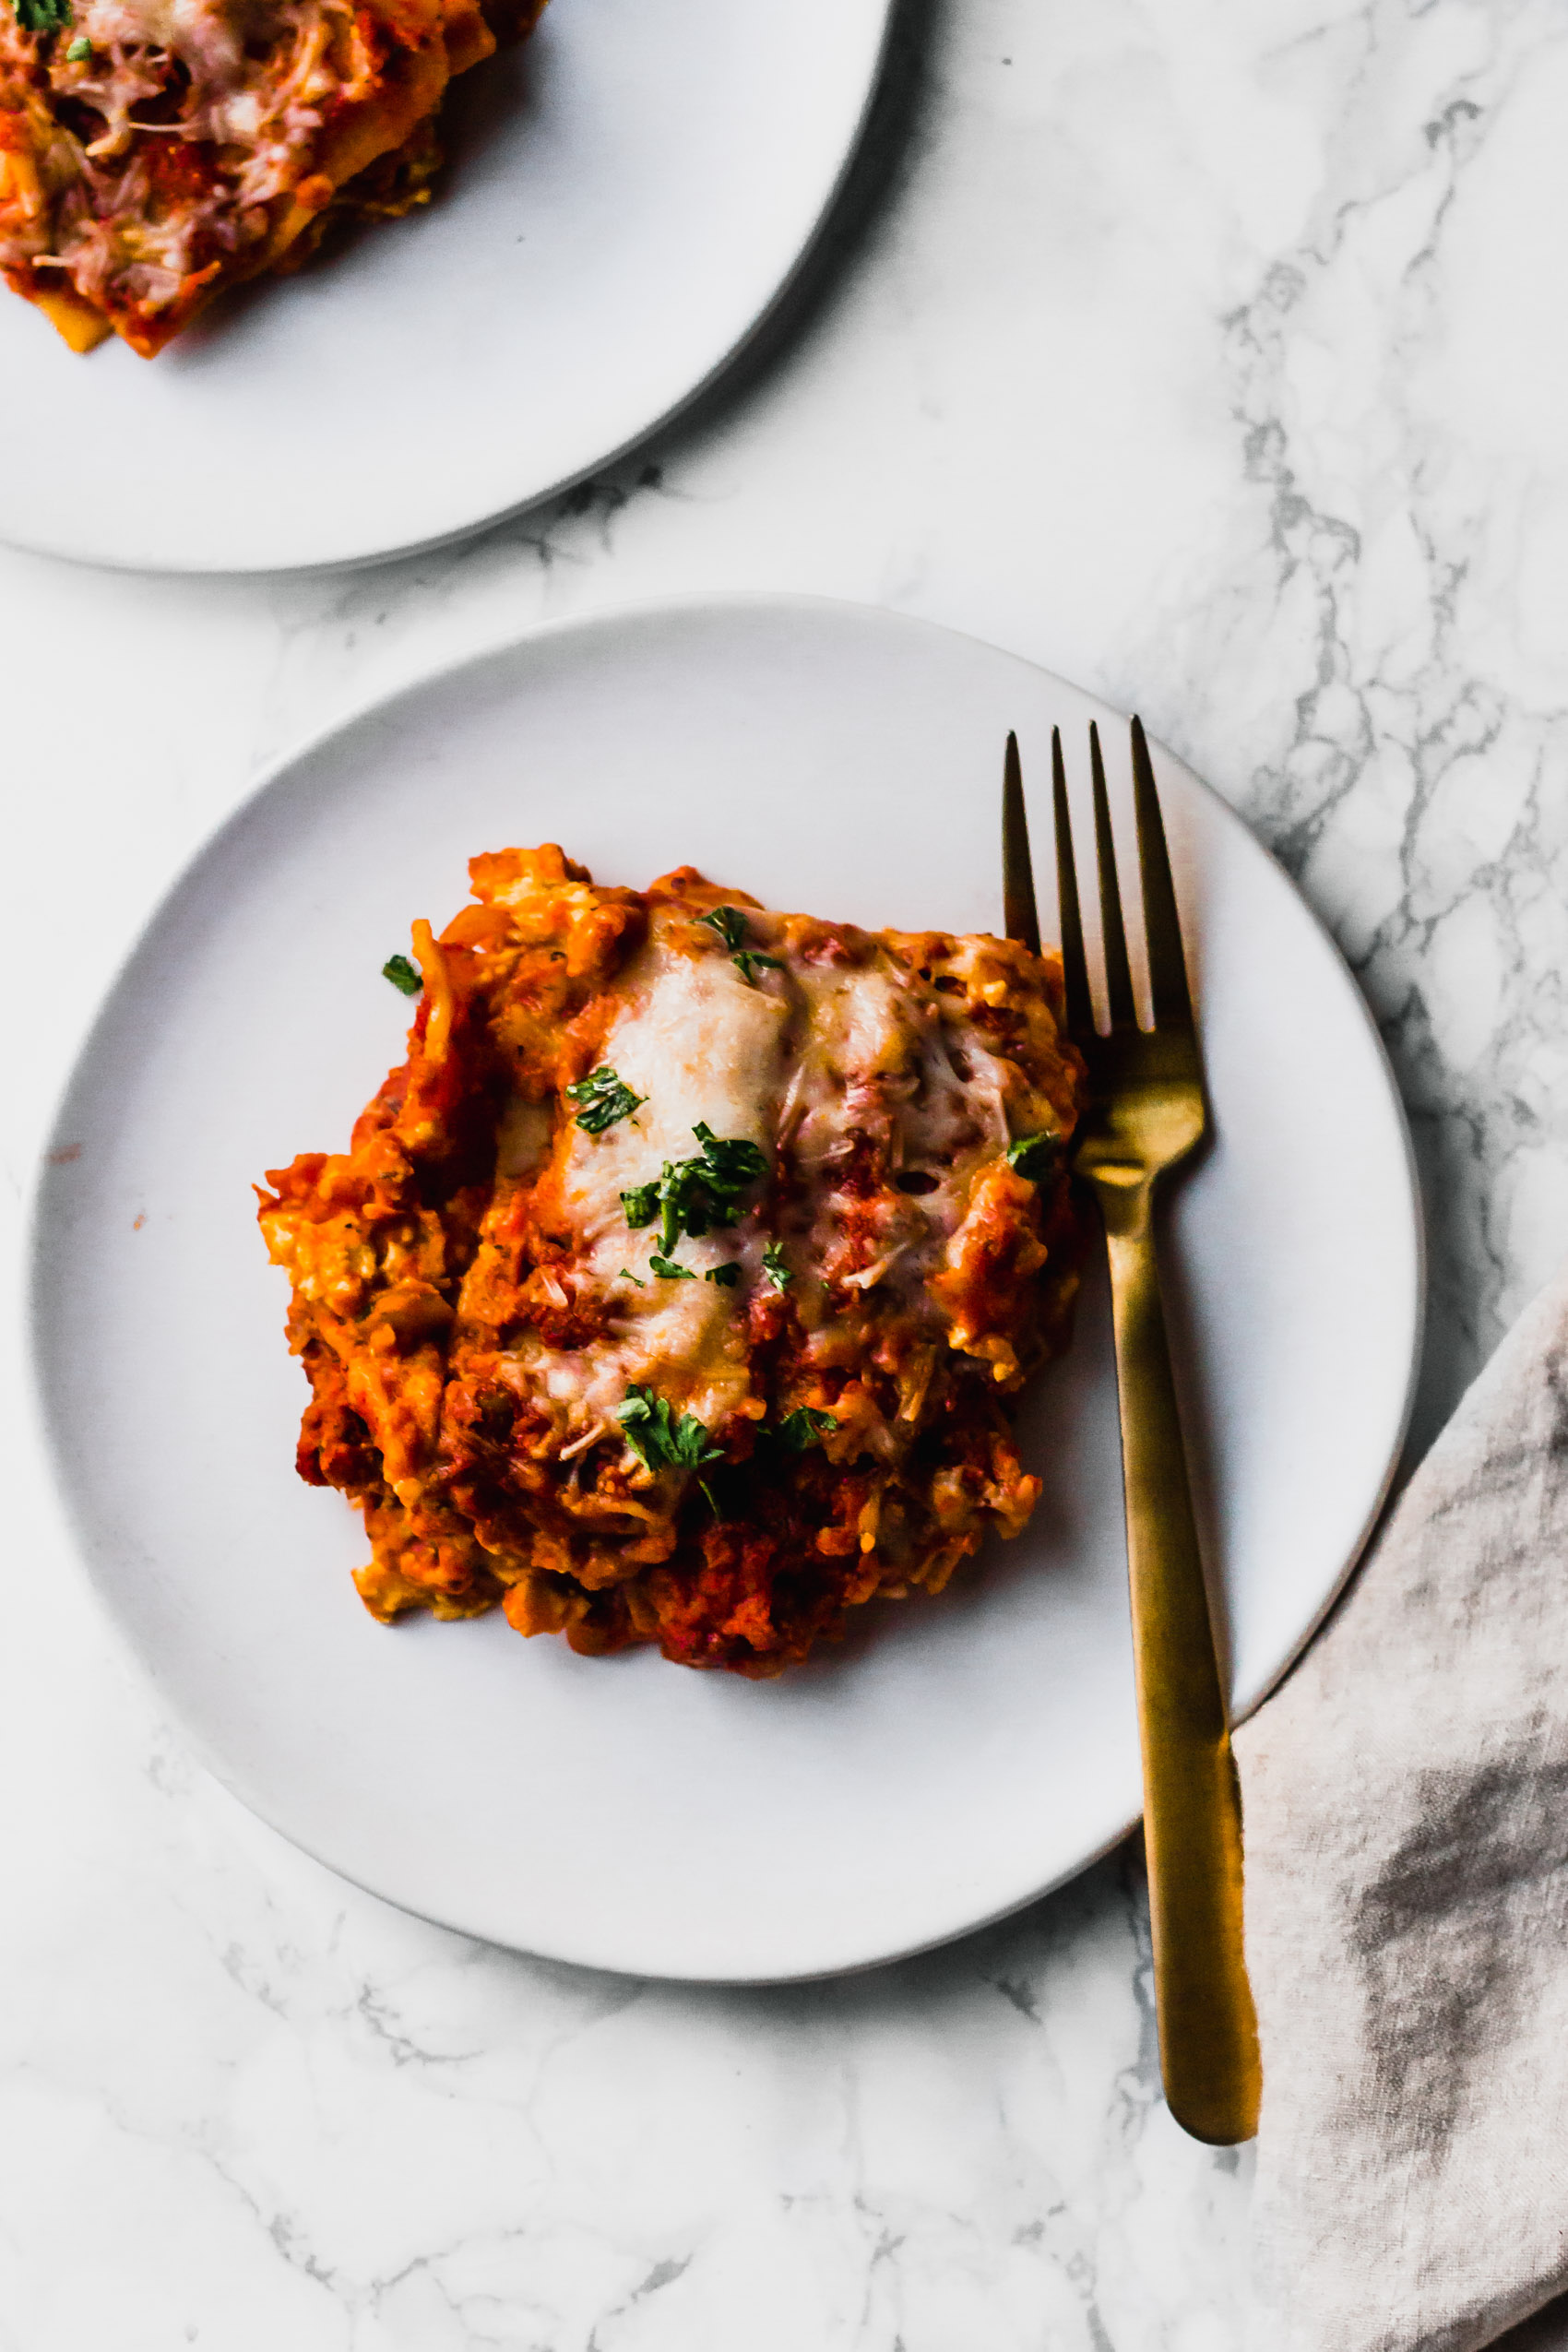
{"x":1211,"y":351}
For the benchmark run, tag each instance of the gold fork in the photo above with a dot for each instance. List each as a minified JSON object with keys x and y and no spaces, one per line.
{"x":1144,"y":1113}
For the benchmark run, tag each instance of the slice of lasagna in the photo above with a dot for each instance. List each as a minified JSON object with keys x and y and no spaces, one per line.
{"x":153,"y":152}
{"x":672,"y":1290}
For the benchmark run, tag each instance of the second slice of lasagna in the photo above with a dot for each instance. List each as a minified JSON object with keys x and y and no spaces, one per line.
{"x":153,"y":152}
{"x":674,"y":1288}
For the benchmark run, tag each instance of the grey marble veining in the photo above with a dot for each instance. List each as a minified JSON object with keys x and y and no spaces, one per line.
{"x":1211,"y":352}
{"x":1388,"y":392}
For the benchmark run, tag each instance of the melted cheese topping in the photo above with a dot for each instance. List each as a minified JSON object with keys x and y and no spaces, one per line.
{"x":882,"y":1059}
{"x":259,"y":75}
{"x":698,"y":1045}
{"x":819,"y":1065}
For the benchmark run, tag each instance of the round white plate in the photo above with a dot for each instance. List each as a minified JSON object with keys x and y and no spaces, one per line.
{"x":964,"y":1754}
{"x":626,"y":196}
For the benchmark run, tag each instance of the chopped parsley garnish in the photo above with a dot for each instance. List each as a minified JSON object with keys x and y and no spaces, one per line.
{"x":669,"y":1270}
{"x":806,"y":1426}
{"x":402,"y":974}
{"x":1032,"y":1155}
{"x":605,"y":1098}
{"x":725,"y":1276}
{"x":81,"y":47}
{"x":658,"y":1439}
{"x":694,"y":1196}
{"x":641,"y":1203}
{"x":727,"y":1165}
{"x":42,"y":16}
{"x":731,"y":925}
{"x":776,"y":1266}
{"x":627,"y":1275}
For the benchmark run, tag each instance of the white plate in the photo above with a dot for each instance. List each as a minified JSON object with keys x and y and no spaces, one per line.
{"x":626,"y":196}
{"x":624,"y":1811}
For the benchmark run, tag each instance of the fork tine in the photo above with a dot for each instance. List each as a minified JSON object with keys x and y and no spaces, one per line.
{"x":1162,"y":926}
{"x":1019,"y":913}
{"x":1118,"y":972}
{"x":1074,"y":965}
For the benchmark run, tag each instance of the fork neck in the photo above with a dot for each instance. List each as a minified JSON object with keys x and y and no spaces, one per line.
{"x":1125,"y":1194}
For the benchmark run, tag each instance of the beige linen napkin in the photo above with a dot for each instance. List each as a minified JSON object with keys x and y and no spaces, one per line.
{"x":1406,"y":1800}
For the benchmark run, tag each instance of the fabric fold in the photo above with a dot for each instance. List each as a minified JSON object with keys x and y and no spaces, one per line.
{"x":1406,"y":1798}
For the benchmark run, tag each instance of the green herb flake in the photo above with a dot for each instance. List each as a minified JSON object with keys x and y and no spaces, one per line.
{"x":776,"y":1266}
{"x":805,"y":1427}
{"x":728,"y":1163}
{"x":605,"y":1099}
{"x":644,"y":1423}
{"x":725,"y":1276}
{"x":402,"y":975}
{"x":748,"y":963}
{"x":691,"y":1447}
{"x":669,"y":1270}
{"x":641,"y":1203}
{"x":1032,"y":1156}
{"x":658,"y":1439}
{"x":42,"y":16}
{"x":696,"y":1195}
{"x":731,"y":925}
{"x":627,"y":1275}
{"x":81,"y":47}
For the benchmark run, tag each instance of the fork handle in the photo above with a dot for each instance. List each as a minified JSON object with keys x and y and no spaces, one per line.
{"x":1209,"y":2045}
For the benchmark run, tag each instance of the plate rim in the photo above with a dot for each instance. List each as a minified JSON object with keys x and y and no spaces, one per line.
{"x":83,"y":550}
{"x":694,"y":608}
